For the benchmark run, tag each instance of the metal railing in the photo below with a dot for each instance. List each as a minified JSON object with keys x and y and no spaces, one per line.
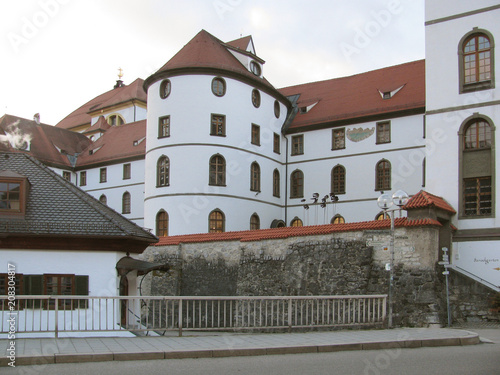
{"x":57,"y":314}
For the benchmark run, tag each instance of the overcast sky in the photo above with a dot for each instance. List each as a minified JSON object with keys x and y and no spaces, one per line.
{"x":58,"y":54}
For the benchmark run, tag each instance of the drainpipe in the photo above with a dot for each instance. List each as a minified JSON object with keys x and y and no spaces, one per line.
{"x":286,"y":181}
{"x":291,"y":115}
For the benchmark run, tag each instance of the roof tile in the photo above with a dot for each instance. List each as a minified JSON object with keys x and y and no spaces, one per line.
{"x":281,"y":233}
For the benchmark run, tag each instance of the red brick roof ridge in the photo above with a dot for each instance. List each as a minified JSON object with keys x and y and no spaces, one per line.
{"x":425,"y":199}
{"x":281,"y":233}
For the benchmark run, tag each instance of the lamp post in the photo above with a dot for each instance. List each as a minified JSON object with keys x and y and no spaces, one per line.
{"x":385,"y":202}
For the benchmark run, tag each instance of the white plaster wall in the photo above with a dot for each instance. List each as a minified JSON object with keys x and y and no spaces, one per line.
{"x":405,"y":152}
{"x":481,"y":258}
{"x":100,"y":266}
{"x":115,"y":186}
{"x":444,"y":8}
{"x":442,"y":43}
{"x":189,"y":199}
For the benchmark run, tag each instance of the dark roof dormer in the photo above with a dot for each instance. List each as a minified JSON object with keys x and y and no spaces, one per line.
{"x":14,"y":190}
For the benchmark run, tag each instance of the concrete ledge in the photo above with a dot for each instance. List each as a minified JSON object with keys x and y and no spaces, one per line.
{"x":339,"y":348}
{"x":76,"y":358}
{"x":473,"y":340}
{"x":441,"y":342}
{"x":239,"y":352}
{"x":188,"y":354}
{"x":293,"y":350}
{"x":28,"y":360}
{"x":138,"y":356}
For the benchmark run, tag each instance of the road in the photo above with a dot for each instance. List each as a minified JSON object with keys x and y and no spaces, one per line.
{"x":483,"y":358}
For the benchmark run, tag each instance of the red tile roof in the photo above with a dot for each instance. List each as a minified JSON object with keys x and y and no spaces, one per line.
{"x":117,"y":144}
{"x":100,"y":125}
{"x":424,"y":199}
{"x":123,"y":94}
{"x":352,"y":99}
{"x":206,"y":51}
{"x":241,"y":43}
{"x":281,"y":233}
{"x":49,"y":144}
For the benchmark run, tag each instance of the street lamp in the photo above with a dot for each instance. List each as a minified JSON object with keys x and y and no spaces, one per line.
{"x":385,"y":202}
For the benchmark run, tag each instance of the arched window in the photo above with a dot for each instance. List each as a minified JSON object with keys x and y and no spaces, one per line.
{"x":383,"y":175}
{"x":216,"y":222}
{"x":255,"y":177}
{"x":476,"y":54}
{"x":382,"y":216}
{"x":254,"y":222}
{"x":103,"y":199}
{"x":477,"y":135}
{"x":218,"y":86}
{"x":338,"y":180}
{"x":296,"y":222}
{"x":297,"y":184}
{"x":165,"y":88}
{"x":276,"y":183}
{"x":256,"y":98}
{"x":217,"y":171}
{"x":163,"y":172}
{"x":477,"y":167}
{"x":162,"y":224}
{"x":115,"y":120}
{"x":338,"y":219}
{"x":126,"y":203}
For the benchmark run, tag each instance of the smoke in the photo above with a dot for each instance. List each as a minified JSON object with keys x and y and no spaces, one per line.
{"x":16,"y":137}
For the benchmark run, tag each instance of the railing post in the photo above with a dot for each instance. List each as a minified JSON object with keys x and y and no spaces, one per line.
{"x":290,"y":315}
{"x":56,"y":321}
{"x":180,"y":317}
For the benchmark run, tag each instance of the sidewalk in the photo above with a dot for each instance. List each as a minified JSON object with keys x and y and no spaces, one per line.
{"x":193,"y":345}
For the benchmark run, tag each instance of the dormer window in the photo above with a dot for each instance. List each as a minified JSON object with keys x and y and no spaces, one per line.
{"x":13,"y":192}
{"x":116,"y":120}
{"x":255,"y":68}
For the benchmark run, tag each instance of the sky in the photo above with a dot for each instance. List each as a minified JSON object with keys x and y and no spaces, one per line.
{"x":59,"y":54}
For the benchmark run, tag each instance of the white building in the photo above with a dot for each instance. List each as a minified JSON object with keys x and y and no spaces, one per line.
{"x":220,"y":149}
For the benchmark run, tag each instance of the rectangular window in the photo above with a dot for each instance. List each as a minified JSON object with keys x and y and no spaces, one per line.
{"x":11,"y":196}
{"x":83,"y":178}
{"x":477,"y":196}
{"x":277,"y":141}
{"x":164,"y":127}
{"x":384,"y":132}
{"x":338,"y":139}
{"x":218,"y":125}
{"x":255,"y":134}
{"x":102,"y":175}
{"x":67,"y":176}
{"x":298,"y":145}
{"x":126,"y":171}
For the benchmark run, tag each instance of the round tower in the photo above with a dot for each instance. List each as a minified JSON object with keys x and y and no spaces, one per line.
{"x":214,"y":152}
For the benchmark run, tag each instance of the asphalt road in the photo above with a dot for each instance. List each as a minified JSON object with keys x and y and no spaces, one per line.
{"x":483,"y":358}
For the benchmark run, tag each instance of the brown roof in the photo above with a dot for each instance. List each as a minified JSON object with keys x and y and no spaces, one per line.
{"x":119,"y":142}
{"x":101,"y":125}
{"x":119,"y":95}
{"x":48,"y":144}
{"x":424,"y":199}
{"x":241,"y":43}
{"x":352,"y":99}
{"x":280,"y":233}
{"x":205,"y":51}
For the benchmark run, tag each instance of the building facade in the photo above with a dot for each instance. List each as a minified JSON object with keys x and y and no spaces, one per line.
{"x":207,"y":144}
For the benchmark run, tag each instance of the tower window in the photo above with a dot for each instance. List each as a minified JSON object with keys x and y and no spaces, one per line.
{"x":218,"y":86}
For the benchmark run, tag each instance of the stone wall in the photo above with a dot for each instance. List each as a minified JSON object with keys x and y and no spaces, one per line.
{"x":336,"y":264}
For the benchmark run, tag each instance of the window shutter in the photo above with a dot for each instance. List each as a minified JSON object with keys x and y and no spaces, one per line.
{"x":82,"y":289}
{"x":33,"y":285}
{"x":82,"y":285}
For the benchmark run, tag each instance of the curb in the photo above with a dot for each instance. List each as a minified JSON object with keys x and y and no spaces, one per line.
{"x":472,"y":339}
